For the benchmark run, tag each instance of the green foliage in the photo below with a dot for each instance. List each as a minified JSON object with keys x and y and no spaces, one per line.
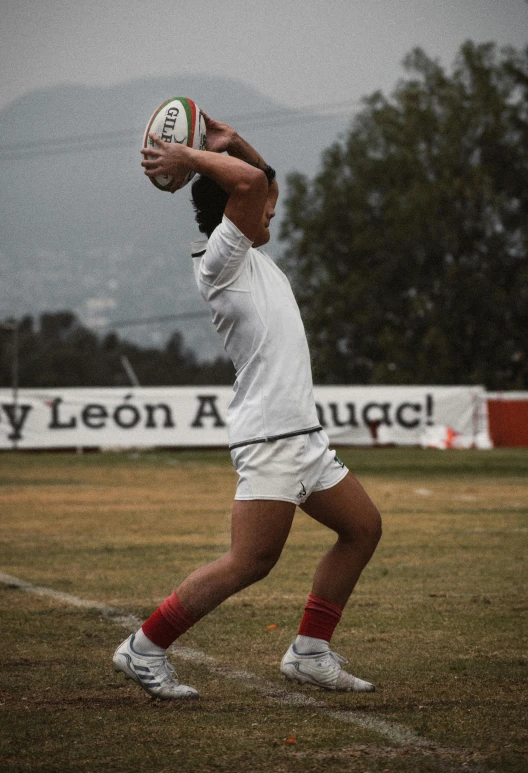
{"x":63,"y":353}
{"x":408,"y":251}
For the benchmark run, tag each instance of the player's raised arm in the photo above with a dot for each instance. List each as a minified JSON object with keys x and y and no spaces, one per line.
{"x":222,"y":137}
{"x":247,"y":185}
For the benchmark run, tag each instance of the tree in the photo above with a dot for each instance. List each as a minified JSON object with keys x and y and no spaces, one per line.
{"x":63,"y":353}
{"x":408,"y":251}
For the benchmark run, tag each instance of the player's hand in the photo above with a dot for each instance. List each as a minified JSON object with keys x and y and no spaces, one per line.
{"x":219,"y":135}
{"x":166,"y":158}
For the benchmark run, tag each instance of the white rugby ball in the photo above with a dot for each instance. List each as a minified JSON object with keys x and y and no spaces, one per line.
{"x":177,"y":120}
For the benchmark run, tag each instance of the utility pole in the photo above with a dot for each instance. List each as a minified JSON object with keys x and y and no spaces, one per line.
{"x":129,"y":370}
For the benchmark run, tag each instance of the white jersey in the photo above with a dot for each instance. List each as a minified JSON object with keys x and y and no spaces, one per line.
{"x":254,"y":310}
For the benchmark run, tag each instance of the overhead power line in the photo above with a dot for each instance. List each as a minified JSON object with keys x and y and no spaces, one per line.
{"x":88,"y":142}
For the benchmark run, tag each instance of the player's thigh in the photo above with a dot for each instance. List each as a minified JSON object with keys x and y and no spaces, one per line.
{"x":346,"y":508}
{"x":260,"y":527}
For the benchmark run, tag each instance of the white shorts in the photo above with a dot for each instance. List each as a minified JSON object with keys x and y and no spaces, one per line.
{"x":289,"y":469}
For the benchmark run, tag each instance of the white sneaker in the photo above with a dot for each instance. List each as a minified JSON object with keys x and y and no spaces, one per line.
{"x":322,"y":669}
{"x":153,"y":673}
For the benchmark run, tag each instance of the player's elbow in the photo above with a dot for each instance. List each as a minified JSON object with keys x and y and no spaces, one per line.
{"x":253,"y":182}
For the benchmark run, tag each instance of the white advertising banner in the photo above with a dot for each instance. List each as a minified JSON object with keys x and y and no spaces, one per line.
{"x":195,"y":416}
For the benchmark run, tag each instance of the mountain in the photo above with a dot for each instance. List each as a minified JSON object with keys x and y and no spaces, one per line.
{"x":81,"y":226}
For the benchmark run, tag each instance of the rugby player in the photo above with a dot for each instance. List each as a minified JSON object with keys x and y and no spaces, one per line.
{"x":278,"y":448}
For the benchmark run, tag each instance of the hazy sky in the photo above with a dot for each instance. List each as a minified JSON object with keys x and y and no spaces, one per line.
{"x":298,"y":52}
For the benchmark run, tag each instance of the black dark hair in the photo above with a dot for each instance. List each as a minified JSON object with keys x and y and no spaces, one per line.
{"x":209,"y":201}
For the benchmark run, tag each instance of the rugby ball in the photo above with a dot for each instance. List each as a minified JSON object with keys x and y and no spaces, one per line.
{"x":177,"y":120}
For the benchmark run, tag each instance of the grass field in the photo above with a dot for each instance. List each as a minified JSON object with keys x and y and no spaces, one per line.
{"x":436,"y":621}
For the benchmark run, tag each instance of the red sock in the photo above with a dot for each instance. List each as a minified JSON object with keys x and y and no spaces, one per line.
{"x":168,"y":622}
{"x":320,"y":618}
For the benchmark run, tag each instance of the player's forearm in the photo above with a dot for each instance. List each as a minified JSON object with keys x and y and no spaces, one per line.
{"x":240,"y":148}
{"x":231,"y":172}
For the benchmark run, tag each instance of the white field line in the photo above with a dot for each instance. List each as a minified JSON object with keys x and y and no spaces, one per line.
{"x":393,"y":732}
{"x":119,"y":615}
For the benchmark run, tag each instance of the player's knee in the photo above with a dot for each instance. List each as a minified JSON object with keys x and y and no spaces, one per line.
{"x":261,"y":565}
{"x":374,"y":527}
{"x":252,"y":573}
{"x":252,"y":568}
{"x":370,"y":528}
{"x":365,"y":529}
{"x":260,"y":570}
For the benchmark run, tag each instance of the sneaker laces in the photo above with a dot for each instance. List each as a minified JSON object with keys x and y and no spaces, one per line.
{"x":165,"y":671}
{"x":338,"y":658}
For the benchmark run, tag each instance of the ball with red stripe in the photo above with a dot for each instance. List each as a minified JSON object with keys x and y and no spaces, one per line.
{"x":177,"y":120}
